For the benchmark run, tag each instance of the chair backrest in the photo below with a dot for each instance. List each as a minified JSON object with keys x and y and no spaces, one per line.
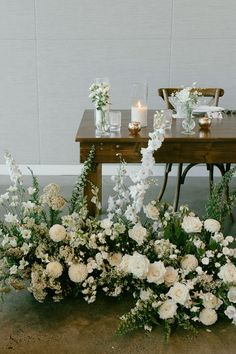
{"x":215,"y":93}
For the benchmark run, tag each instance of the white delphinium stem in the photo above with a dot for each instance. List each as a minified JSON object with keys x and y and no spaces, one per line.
{"x":14,"y":171}
{"x":140,"y":179}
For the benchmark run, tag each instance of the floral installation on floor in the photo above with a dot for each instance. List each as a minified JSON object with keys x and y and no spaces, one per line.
{"x":180,"y":269}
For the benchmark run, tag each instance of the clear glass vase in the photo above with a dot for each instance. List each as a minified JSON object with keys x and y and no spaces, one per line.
{"x":188,"y":123}
{"x":102,"y":119}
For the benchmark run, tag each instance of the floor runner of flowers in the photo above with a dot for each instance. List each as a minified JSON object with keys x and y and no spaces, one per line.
{"x":179,"y":268}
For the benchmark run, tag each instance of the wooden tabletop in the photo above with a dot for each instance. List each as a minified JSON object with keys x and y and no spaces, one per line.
{"x":220,"y":129}
{"x":217,"y":145}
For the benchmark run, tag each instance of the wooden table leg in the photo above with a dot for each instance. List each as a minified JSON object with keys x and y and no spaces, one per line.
{"x":95,"y":176}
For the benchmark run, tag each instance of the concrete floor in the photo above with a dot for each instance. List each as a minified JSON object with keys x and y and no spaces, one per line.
{"x":73,"y":326}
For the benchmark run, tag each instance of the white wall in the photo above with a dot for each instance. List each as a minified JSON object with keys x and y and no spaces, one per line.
{"x":51,"y":51}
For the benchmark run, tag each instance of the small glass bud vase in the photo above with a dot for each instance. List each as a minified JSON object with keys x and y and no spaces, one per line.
{"x":188,"y":122}
{"x":102,"y":119}
{"x":139,"y":103}
{"x":102,"y":111}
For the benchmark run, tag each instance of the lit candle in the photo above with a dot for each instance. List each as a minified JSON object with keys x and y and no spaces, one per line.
{"x":139,"y":114}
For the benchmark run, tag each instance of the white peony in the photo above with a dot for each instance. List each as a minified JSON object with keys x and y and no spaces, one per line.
{"x":189,"y":262}
{"x":228,"y":273}
{"x":138,"y":265}
{"x":191,"y":224}
{"x":210,"y":301}
{"x":167,"y":309}
{"x":151,"y":211}
{"x":171,"y":276}
{"x":156,"y":273}
{"x":138,"y":233}
{"x":179,"y":293}
{"x":232,"y":294}
{"x":54,"y":269}
{"x":212,"y":225}
{"x":208,"y":316}
{"x":78,"y":272}
{"x":57,"y":233}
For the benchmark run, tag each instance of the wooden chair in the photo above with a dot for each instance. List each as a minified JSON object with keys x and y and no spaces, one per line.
{"x":214,"y":94}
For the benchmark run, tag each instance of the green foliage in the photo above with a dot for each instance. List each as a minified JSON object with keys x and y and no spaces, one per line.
{"x":220,"y":204}
{"x":77,"y":198}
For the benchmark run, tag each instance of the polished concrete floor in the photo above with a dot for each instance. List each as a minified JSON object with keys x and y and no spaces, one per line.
{"x":75,"y":327}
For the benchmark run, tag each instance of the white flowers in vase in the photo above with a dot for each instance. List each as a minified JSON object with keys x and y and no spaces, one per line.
{"x":185,"y":100}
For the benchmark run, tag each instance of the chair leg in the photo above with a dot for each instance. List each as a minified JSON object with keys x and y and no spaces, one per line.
{"x":166,"y":175}
{"x":211,"y":176}
{"x":178,"y":184}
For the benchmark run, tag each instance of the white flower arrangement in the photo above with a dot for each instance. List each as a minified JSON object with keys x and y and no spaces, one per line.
{"x":100,"y":95}
{"x":180,"y":269}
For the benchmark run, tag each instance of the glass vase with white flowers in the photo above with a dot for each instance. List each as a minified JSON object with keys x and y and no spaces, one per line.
{"x":185,"y":101}
{"x":100,"y":95}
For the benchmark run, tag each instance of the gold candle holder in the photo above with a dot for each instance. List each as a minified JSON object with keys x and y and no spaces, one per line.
{"x":134,"y":127}
{"x":204,"y":123}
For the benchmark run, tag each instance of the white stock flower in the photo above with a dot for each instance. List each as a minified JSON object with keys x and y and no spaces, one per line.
{"x":208,"y":316}
{"x":54,"y":269}
{"x":10,"y":218}
{"x":210,"y":301}
{"x":13,"y":269}
{"x":57,"y":233}
{"x":232,"y":294}
{"x":191,"y":224}
{"x":156,"y":273}
{"x":168,"y":309}
{"x":145,"y":294}
{"x":212,"y":225}
{"x":228,"y":273}
{"x":179,"y":293}
{"x":205,"y":260}
{"x":31,"y":190}
{"x":22,"y":264}
{"x":78,"y":272}
{"x":138,"y":233}
{"x":171,"y":276}
{"x":151,"y":211}
{"x":189,"y":262}
{"x":138,"y":265}
{"x":106,"y":223}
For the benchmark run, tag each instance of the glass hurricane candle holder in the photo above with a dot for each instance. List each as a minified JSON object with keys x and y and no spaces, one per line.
{"x":139,"y":103}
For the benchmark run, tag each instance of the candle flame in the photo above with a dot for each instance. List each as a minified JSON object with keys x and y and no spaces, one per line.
{"x":139,"y":104}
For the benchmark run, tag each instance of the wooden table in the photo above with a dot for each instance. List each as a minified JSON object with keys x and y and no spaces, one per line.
{"x":218,"y":145}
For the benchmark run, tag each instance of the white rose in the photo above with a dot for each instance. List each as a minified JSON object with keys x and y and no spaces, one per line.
{"x":151,"y":211}
{"x":54,"y":269}
{"x":57,"y":233}
{"x":138,"y":265}
{"x":230,"y":312}
{"x":212,"y":225}
{"x":167,"y":309}
{"x":78,"y":272}
{"x":205,"y":260}
{"x":189,"y":262}
{"x":156,"y":273}
{"x":228,"y":273}
{"x":232,"y":294}
{"x":208,"y":317}
{"x":191,"y":224}
{"x":138,"y":233}
{"x":210,"y":301}
{"x":171,"y":276}
{"x":179,"y":293}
